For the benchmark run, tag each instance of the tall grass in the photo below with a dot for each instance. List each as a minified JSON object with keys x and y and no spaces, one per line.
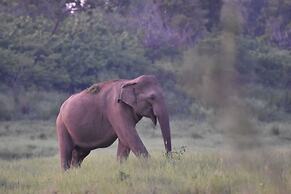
{"x":186,"y":172}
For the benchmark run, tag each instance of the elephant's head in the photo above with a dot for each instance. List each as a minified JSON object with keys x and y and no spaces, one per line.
{"x":145,"y":96}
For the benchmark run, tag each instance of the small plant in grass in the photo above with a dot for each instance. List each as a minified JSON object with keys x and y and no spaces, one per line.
{"x":177,"y":153}
{"x":275,"y":130}
{"x":122,"y":176}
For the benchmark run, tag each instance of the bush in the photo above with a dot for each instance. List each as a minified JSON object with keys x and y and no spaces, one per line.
{"x":42,"y":105}
{"x":7,"y":107}
{"x":269,"y":66}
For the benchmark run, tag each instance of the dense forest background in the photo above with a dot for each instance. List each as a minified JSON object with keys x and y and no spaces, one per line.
{"x":51,"y":49}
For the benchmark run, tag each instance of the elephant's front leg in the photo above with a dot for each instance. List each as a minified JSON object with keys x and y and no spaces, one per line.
{"x":122,"y":151}
{"x":127,"y":134}
{"x":123,"y":122}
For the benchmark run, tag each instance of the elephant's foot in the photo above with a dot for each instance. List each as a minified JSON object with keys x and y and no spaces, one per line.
{"x":65,"y":165}
{"x":78,"y":156}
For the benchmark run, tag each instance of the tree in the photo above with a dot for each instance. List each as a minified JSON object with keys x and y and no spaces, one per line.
{"x":78,"y":54}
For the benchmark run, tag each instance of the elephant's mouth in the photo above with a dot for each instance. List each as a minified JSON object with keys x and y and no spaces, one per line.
{"x":154,"y":119}
{"x":149,"y":113}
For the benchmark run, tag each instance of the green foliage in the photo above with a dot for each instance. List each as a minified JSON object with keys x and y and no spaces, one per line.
{"x":44,"y":46}
{"x":88,"y":47}
{"x":255,"y":61}
{"x":212,"y":8}
{"x":32,"y":104}
{"x":256,"y":64}
{"x":177,"y":154}
{"x":263,"y":64}
{"x":21,"y":43}
{"x":7,"y":107}
{"x":83,"y":49}
{"x":270,"y":21}
{"x":187,"y":17}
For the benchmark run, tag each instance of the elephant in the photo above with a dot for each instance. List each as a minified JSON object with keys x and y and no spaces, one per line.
{"x":97,"y":116}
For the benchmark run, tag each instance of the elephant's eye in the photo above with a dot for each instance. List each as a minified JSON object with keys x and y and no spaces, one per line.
{"x":152,"y":97}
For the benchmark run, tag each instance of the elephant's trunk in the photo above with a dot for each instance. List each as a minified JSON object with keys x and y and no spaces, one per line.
{"x":163,"y":118}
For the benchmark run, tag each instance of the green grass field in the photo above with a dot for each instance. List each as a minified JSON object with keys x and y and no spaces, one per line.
{"x":202,"y":162}
{"x":189,"y":172}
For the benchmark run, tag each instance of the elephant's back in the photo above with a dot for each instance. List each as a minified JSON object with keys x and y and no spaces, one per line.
{"x":79,"y":108}
{"x":97,"y":87}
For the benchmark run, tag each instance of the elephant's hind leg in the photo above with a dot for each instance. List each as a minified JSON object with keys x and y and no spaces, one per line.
{"x":65,"y":145}
{"x":78,"y":156}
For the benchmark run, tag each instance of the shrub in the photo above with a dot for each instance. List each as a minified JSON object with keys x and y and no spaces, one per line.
{"x":42,"y":105}
{"x":7,"y":107}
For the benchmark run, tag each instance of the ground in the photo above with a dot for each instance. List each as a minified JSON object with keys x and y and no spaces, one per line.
{"x":204,"y":160}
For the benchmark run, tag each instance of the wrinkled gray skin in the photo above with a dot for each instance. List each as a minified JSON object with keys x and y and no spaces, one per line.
{"x":96,"y":117}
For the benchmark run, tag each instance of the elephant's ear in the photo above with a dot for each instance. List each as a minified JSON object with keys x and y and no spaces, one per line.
{"x":127,"y":94}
